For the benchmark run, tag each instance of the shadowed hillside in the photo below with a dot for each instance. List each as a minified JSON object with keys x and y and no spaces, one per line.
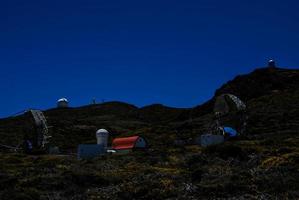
{"x":261,"y":82}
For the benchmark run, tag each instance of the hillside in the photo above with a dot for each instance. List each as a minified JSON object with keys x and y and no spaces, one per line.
{"x":261,"y":165}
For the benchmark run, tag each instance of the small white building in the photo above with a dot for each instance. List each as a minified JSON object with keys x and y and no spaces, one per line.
{"x":90,"y":151}
{"x":62,"y":103}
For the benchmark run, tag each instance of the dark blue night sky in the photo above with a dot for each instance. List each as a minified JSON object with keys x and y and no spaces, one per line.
{"x":141,"y":52}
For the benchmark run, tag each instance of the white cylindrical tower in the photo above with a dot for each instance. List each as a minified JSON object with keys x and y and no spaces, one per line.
{"x":62,"y":103}
{"x":102,"y":137}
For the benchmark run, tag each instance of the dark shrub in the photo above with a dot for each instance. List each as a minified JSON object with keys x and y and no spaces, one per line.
{"x":7,"y":181}
{"x":196,"y":175}
{"x":226,"y":151}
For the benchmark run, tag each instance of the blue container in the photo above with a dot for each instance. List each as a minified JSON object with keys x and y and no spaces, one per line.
{"x":89,"y":151}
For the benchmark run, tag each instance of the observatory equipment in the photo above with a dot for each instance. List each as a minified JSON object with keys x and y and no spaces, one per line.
{"x":228,"y":103}
{"x":88,"y":151}
{"x":271,"y":64}
{"x":36,"y":133}
{"x":230,"y":110}
{"x":42,"y":132}
{"x":102,"y":137}
{"x":229,"y":132}
{"x":62,"y":103}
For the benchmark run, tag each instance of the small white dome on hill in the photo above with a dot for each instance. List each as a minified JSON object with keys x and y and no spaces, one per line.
{"x":62,"y":103}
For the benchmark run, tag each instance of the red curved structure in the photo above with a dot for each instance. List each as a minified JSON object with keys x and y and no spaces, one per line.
{"x":128,"y":143}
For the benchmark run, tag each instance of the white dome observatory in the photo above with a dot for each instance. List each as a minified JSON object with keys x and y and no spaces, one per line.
{"x":62,"y":103}
{"x":271,"y":63}
{"x":102,"y":137}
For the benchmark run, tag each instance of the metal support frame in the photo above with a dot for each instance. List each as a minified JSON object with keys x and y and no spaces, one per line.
{"x":41,"y":127}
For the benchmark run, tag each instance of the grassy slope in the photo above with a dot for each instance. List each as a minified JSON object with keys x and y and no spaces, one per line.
{"x":240,"y":169}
